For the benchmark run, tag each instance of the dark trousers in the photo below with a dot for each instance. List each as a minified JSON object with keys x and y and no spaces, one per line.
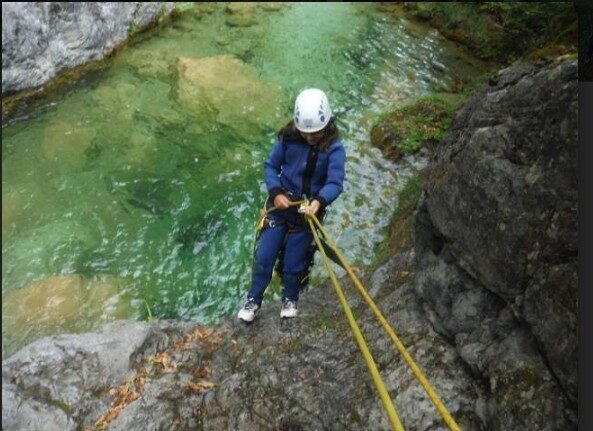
{"x":294,"y":262}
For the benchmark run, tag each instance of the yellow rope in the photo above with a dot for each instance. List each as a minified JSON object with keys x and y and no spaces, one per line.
{"x":386,"y":400}
{"x":260,"y":222}
{"x":434,"y":397}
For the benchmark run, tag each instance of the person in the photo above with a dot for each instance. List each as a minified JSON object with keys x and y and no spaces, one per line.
{"x":307,"y":162}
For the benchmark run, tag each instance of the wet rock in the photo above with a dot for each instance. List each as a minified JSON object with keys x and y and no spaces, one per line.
{"x":41,"y":39}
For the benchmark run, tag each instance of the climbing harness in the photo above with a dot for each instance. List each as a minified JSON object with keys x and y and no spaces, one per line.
{"x":316,"y":226}
{"x":264,"y":222}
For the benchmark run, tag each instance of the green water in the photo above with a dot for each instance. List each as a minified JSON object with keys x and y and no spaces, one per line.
{"x":120,"y":181}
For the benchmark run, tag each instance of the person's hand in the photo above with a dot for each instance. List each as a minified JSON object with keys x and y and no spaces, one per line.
{"x":312,"y":208}
{"x":281,"y":202}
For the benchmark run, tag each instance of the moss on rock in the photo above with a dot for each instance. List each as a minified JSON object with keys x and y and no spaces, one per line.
{"x":405,"y":130}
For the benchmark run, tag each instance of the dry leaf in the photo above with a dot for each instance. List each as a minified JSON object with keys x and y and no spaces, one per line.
{"x":203,"y":371}
{"x":163,"y":360}
{"x":201,"y":386}
{"x":182,"y":345}
{"x":124,"y":394}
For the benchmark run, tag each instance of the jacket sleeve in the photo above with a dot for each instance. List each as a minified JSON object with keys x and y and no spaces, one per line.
{"x":272,"y":169}
{"x":335,"y":176}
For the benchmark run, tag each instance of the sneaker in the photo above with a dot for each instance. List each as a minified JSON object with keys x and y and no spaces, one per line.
{"x":289,"y":309}
{"x":247,"y":313}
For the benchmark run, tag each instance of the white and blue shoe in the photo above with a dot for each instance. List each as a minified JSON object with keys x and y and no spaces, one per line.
{"x":247,"y":313}
{"x":289,"y":309}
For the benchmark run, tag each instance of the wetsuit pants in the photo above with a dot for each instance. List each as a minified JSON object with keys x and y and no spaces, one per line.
{"x":296,"y":251}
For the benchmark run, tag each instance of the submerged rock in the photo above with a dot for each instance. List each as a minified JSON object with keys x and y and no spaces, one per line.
{"x":59,"y":303}
{"x":243,"y":14}
{"x":247,"y":14}
{"x":151,"y":63}
{"x":223,"y":90}
{"x":67,"y":144}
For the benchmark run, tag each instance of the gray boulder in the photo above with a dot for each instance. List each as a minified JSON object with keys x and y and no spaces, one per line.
{"x":42,"y":39}
{"x":58,"y":382}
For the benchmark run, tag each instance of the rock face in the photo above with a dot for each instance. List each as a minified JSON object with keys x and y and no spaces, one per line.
{"x":485,"y":302}
{"x":497,"y":242}
{"x":41,"y":39}
{"x":57,"y":383}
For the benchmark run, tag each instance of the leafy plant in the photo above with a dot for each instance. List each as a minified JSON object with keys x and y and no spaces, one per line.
{"x":149,"y":318}
{"x":403,"y":131}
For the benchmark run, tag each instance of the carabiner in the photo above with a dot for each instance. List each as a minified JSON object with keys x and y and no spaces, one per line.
{"x":302,"y":206}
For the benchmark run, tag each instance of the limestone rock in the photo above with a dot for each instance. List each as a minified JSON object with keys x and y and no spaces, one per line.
{"x":61,"y":382}
{"x":41,"y":39}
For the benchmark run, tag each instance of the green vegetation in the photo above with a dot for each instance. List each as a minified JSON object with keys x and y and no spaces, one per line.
{"x":409,"y":195}
{"x":405,"y":130}
{"x":149,"y":315}
{"x":162,"y":16}
{"x":503,"y":31}
{"x":400,"y":230}
{"x":132,"y":28}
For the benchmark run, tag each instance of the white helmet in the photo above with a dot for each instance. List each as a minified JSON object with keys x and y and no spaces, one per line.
{"x":311,"y":110}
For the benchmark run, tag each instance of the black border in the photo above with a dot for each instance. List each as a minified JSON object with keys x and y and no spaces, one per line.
{"x":585,"y":255}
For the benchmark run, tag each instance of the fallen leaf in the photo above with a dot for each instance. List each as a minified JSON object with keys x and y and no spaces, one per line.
{"x":201,"y":386}
{"x":163,"y":360}
{"x":203,"y":371}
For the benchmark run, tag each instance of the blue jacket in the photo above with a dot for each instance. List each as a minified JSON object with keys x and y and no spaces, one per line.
{"x":289,"y":169}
